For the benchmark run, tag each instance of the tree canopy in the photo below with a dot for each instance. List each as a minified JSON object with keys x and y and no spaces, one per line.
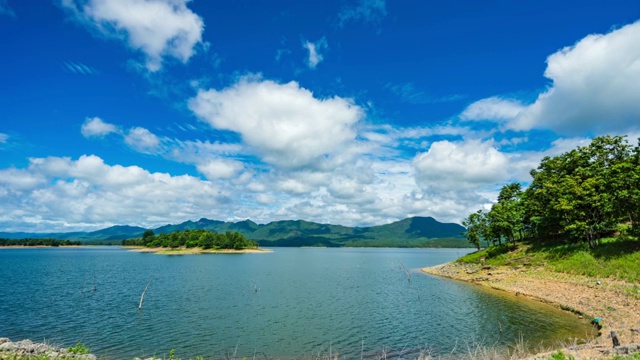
{"x":582,"y":195}
{"x":193,"y":238}
{"x":38,"y":242}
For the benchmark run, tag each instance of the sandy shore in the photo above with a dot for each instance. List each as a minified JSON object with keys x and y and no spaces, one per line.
{"x":194,"y":251}
{"x":617,"y":303}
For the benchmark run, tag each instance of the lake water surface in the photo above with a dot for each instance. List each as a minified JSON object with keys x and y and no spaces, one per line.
{"x":294,"y":302}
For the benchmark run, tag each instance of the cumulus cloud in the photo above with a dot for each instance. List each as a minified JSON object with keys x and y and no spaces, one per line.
{"x":55,"y":193}
{"x":595,"y":90}
{"x":364,"y":10}
{"x":95,"y":127}
{"x":220,"y":168}
{"x":315,"y":51}
{"x":142,"y":140}
{"x":284,"y":123}
{"x":158,"y":28}
{"x":493,"y":109}
{"x":460,"y":165}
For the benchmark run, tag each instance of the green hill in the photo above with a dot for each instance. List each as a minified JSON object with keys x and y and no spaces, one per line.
{"x":411,"y":232}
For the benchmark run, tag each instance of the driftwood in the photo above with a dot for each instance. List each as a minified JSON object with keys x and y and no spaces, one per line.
{"x":142,"y":296}
{"x":407,"y":272}
{"x":614,"y":338}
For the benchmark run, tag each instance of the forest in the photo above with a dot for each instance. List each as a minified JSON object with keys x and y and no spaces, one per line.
{"x":580,"y":196}
{"x":38,"y":242}
{"x":193,"y":239}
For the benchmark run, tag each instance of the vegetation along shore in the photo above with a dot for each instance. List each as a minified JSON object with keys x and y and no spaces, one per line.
{"x":570,"y":239}
{"x":193,"y":242}
{"x":30,"y":242}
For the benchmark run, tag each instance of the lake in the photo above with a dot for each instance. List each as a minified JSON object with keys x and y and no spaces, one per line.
{"x":294,"y":302}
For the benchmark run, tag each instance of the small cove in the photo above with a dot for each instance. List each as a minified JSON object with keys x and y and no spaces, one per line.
{"x":290,"y":303}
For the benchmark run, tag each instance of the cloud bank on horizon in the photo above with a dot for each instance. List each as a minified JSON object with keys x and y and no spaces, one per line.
{"x":187,"y":114}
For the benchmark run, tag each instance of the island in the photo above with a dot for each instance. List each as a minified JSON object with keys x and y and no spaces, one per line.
{"x":193,"y":241}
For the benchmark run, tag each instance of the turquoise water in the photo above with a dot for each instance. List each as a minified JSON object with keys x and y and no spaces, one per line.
{"x":294,"y":302}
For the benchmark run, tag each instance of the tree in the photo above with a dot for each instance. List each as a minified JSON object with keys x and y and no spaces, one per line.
{"x":147,"y":237}
{"x":625,"y":179}
{"x":506,"y":216}
{"x":579,"y":195}
{"x":206,"y":240}
{"x":474,"y":223}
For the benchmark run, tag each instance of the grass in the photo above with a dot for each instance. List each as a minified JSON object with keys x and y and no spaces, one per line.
{"x":520,"y":350}
{"x":559,"y":355}
{"x":79,"y":349}
{"x":615,"y":258}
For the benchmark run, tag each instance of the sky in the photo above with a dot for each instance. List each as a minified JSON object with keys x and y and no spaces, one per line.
{"x":350,"y":112}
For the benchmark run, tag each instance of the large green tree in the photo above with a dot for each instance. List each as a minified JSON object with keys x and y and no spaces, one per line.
{"x":573,"y":195}
{"x":474,"y":224}
{"x":581,"y":195}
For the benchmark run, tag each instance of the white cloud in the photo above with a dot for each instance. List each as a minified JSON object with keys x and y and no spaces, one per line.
{"x":3,"y":138}
{"x":284,"y":123}
{"x":142,"y":140}
{"x":18,"y":180}
{"x":595,"y":89}
{"x":220,"y":168}
{"x":493,"y":109}
{"x":158,"y":28}
{"x":95,"y":127}
{"x":57,"y":193}
{"x":315,"y":49}
{"x":265,"y":199}
{"x":365,"y":10}
{"x":460,"y":165}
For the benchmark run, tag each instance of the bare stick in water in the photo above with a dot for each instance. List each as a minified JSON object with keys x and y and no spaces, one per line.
{"x":142,"y":296}
{"x":406,"y":271}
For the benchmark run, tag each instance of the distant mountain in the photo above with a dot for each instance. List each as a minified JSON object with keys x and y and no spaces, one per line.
{"x":411,"y":232}
{"x":119,"y":232}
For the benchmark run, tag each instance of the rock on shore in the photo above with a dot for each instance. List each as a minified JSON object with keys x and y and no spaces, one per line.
{"x":27,"y":348}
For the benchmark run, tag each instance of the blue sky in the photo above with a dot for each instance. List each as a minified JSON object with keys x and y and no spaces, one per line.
{"x":353,"y":112}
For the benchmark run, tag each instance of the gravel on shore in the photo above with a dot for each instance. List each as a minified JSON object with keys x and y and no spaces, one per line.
{"x":29,"y":349}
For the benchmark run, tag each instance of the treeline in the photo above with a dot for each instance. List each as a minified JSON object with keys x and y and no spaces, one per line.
{"x":37,"y":242}
{"x":193,"y":238}
{"x":583,"y":195}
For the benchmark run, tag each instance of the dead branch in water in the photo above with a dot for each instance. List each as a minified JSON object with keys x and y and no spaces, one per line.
{"x":142,"y":296}
{"x":406,"y":271}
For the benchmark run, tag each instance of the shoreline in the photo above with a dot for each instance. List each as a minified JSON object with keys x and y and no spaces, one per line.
{"x":27,"y":349}
{"x":44,"y":246}
{"x":617,"y":303}
{"x":193,"y":251}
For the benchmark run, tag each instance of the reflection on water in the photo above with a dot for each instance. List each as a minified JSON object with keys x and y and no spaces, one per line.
{"x":292,"y":302}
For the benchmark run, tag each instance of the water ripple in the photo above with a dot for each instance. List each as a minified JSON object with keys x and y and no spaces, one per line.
{"x":355,"y":302}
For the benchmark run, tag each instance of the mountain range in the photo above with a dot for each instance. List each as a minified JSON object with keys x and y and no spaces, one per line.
{"x":410,"y":232}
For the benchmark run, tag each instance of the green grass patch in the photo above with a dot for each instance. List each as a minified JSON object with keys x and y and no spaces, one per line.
{"x":79,"y":349}
{"x":617,"y":258}
{"x":559,"y":355}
